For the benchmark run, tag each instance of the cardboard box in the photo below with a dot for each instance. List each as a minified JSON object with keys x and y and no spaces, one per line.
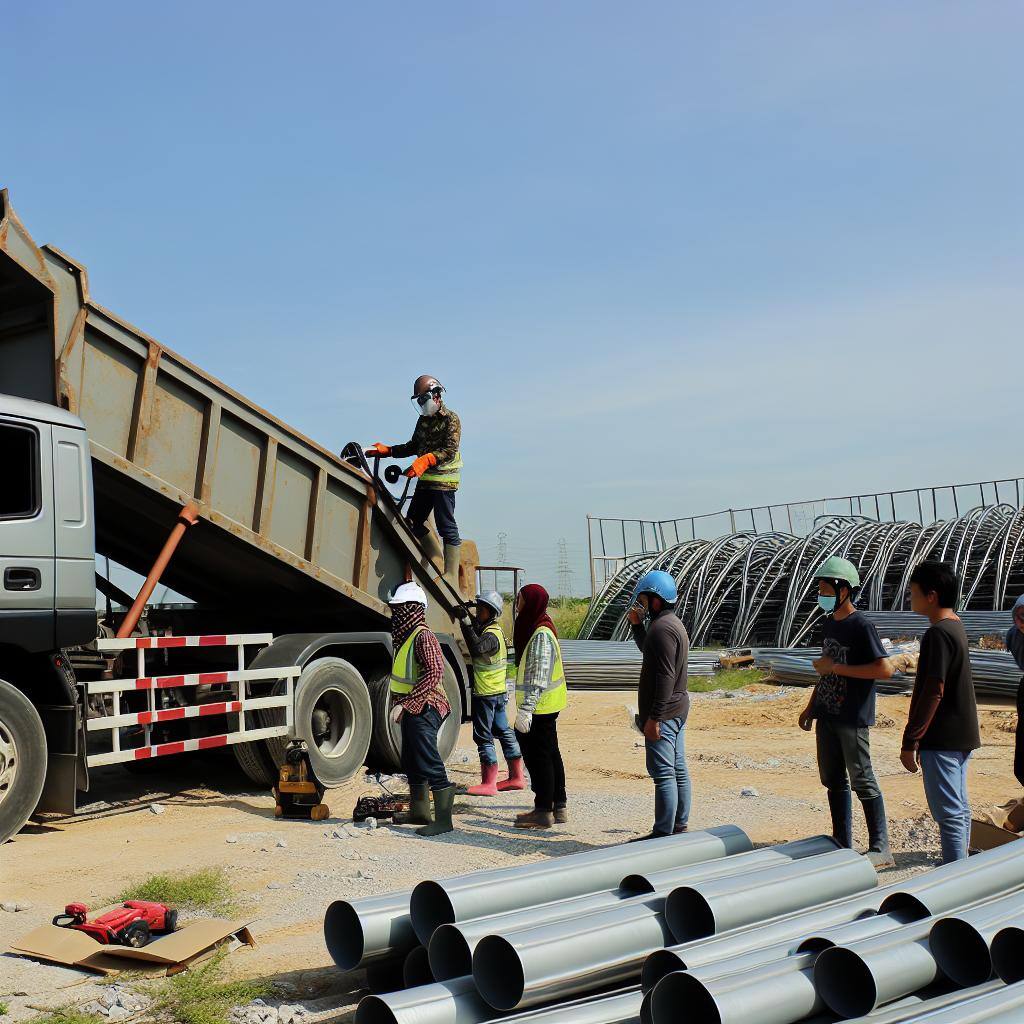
{"x":986,"y":836}
{"x":166,"y":954}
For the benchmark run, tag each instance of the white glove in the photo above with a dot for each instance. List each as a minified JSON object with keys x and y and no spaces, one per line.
{"x":396,"y":713}
{"x":524,"y":719}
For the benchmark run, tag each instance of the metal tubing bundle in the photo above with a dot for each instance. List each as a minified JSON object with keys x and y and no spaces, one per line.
{"x":758,"y":588}
{"x":596,"y":664}
{"x":444,"y":1002}
{"x":367,"y":931}
{"x":1000,"y":1006}
{"x":962,"y":944}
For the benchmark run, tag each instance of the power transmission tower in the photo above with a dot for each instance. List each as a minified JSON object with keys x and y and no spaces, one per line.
{"x":564,"y":572}
{"x":502,"y":548}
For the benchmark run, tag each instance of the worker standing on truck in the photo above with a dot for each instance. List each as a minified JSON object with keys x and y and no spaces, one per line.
{"x":437,"y":467}
{"x":843,"y":703}
{"x":489,"y":649}
{"x":663,"y":698}
{"x":540,"y":696}
{"x":420,"y":707}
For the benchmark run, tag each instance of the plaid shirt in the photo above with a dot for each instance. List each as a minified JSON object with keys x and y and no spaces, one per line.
{"x":439,"y":435}
{"x":430,"y":688}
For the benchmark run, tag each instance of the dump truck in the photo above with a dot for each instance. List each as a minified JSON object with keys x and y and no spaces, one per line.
{"x":114,"y":445}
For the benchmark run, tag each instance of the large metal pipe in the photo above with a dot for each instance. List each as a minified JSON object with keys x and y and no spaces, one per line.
{"x":853,"y":980}
{"x":366,"y":931}
{"x":571,"y":956}
{"x":719,"y":906}
{"x":1002,"y":1005}
{"x":856,"y":931}
{"x":913,"y":1008}
{"x":1008,"y":954}
{"x":620,"y":1007}
{"x":444,"y":1002}
{"x":451,"y":946}
{"x":482,"y":893}
{"x":779,"y":992}
{"x":416,"y":969}
{"x":793,"y":927}
{"x":945,"y":888}
{"x":667,"y":879}
{"x":961,"y":943}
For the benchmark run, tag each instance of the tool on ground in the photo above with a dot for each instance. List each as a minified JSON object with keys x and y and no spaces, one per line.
{"x":299,"y":793}
{"x":132,"y":924}
{"x":385,"y":806}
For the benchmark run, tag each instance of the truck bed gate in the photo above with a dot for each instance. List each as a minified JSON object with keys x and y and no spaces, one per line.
{"x":235,"y":708}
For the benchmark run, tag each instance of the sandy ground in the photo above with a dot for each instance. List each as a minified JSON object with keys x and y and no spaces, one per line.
{"x":213,"y":817}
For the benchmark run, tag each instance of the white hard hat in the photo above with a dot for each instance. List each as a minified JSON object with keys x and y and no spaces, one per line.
{"x":408,"y":593}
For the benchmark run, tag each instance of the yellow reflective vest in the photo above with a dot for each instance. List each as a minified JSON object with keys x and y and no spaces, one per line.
{"x":489,"y":674}
{"x":555,"y":697}
{"x":405,"y":669}
{"x":445,"y":473}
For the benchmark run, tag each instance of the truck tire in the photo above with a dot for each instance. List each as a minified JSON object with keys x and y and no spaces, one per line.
{"x":386,"y":744}
{"x":22,"y":759}
{"x":257,"y":764}
{"x":334,"y":717}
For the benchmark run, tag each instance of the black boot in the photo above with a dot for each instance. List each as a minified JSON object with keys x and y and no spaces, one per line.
{"x":444,"y":801}
{"x":419,"y":806}
{"x":878,"y":833}
{"x":841,"y":806}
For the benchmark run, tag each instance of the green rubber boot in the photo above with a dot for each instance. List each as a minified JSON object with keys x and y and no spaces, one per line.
{"x":419,"y":806}
{"x":444,"y":800}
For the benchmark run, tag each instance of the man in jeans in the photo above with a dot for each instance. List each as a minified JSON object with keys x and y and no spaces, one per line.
{"x":663,"y":699}
{"x":843,"y":703}
{"x":942,"y":728}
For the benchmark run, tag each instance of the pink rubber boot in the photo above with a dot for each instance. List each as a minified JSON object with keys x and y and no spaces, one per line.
{"x":515,"y":779}
{"x":488,"y":784}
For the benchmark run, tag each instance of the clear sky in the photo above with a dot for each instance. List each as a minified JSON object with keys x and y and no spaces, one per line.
{"x":666,"y":257}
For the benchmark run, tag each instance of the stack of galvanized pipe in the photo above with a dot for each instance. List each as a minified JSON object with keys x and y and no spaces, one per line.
{"x":602,"y":664}
{"x":698,"y":921}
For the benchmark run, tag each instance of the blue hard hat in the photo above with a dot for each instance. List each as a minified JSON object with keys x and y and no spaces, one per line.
{"x":658,"y":582}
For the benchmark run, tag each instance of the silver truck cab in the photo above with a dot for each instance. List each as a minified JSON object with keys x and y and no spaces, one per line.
{"x":47,"y":602}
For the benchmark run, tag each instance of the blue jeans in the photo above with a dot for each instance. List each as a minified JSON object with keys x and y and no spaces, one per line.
{"x":666,"y":764}
{"x":945,"y":787}
{"x":421,"y":761}
{"x":490,"y":722}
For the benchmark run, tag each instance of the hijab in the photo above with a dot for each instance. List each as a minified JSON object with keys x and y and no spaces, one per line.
{"x":534,"y":614}
{"x":1015,"y":638}
{"x":404,"y":619}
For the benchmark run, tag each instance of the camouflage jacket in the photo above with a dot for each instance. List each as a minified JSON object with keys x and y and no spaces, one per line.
{"x":440,"y":434}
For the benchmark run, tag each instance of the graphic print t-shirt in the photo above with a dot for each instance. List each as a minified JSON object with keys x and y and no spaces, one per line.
{"x":849,"y":641}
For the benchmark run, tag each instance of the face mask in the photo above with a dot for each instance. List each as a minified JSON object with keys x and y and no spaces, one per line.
{"x":427,"y":408}
{"x":827,"y":603}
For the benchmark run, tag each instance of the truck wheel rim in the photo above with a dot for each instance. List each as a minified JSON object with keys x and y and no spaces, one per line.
{"x":8,"y":762}
{"x":332,"y":740}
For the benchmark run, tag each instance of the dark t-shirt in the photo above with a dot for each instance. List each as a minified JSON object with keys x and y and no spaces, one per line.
{"x":849,"y":641}
{"x":945,"y":659}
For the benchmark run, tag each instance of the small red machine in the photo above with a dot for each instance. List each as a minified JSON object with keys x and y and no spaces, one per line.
{"x":132,"y":924}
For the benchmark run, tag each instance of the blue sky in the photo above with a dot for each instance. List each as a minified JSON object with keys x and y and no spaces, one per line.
{"x":666,"y":257}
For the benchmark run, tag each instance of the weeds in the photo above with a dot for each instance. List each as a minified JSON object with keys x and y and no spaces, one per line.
{"x":729,"y":679}
{"x":62,"y":1015}
{"x":202,"y":890}
{"x":200,"y":995}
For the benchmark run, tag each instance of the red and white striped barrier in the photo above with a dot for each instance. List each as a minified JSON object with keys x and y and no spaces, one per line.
{"x":236,"y":708}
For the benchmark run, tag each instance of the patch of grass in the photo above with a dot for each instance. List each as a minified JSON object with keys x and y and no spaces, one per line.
{"x":200,"y":995}
{"x":63,"y":1015}
{"x":730,"y":679}
{"x":4,"y":1009}
{"x":568,"y":614}
{"x":201,"y":890}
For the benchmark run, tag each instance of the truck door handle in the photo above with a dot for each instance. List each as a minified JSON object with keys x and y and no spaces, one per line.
{"x":21,"y":578}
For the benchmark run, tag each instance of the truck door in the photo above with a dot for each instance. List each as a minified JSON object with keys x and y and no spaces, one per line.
{"x":26,"y":535}
{"x":74,"y":538}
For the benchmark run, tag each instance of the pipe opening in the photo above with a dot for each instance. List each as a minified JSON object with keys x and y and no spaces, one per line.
{"x":906,"y":902}
{"x":498,"y":972}
{"x":416,"y":969}
{"x":635,"y":885}
{"x":450,"y":955}
{"x":961,"y":952}
{"x":689,"y":915}
{"x":385,"y":976}
{"x":429,"y":908}
{"x":1008,"y":954}
{"x":845,"y":983}
{"x":684,"y":991}
{"x":373,"y":1010}
{"x":343,"y":934}
{"x":646,"y":1010}
{"x":658,"y":965}
{"x":815,"y":944}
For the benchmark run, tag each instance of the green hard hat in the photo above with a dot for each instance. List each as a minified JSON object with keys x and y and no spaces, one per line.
{"x":836,"y":568}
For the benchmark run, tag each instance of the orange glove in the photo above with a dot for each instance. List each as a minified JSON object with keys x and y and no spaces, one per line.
{"x":421,"y":465}
{"x":379,"y":449}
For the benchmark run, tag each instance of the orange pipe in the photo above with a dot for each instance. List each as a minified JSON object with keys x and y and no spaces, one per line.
{"x":188,"y":516}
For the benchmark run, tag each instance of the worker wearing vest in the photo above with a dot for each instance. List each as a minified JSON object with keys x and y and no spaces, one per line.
{"x":419,"y":706}
{"x":489,"y":650}
{"x":540,"y":696}
{"x":437,"y":466}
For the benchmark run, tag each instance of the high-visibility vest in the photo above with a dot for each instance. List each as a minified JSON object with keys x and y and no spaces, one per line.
{"x":446,"y":472}
{"x":555,"y":697}
{"x":490,"y":673}
{"x":405,"y":669}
